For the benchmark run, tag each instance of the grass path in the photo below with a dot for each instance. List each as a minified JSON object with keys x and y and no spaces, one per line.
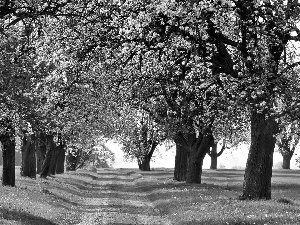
{"x":115,"y":198}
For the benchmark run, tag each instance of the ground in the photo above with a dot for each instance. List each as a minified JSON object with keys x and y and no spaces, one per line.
{"x":128,"y":196}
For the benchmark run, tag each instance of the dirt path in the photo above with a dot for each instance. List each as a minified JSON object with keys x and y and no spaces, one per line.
{"x":117,"y":197}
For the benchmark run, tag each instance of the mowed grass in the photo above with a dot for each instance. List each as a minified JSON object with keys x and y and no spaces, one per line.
{"x":215,"y":201}
{"x":59,"y":199}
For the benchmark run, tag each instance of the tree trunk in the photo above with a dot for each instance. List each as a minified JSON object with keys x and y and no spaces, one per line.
{"x":28,"y":165}
{"x":214,"y":154}
{"x":49,"y":152}
{"x":40,"y":152}
{"x":180,"y":163}
{"x":71,"y":161}
{"x":286,"y":163}
{"x":258,"y":173}
{"x":54,"y":158}
{"x":198,"y":149}
{"x":213,"y":157}
{"x":8,"y":153}
{"x":194,"y":168}
{"x":60,"y":166}
{"x":145,"y":164}
{"x":196,"y":157}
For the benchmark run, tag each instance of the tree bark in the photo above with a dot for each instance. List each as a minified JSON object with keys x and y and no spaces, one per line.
{"x":7,"y":139}
{"x":213,"y":157}
{"x":60,"y":166}
{"x":180,"y":163}
{"x":194,"y":168}
{"x":286,"y":163}
{"x":214,"y":154}
{"x":28,"y":164}
{"x":71,"y":161}
{"x":54,"y":158}
{"x":258,"y":173}
{"x":49,"y":152}
{"x":196,"y":156}
{"x":40,"y":152}
{"x":144,"y":163}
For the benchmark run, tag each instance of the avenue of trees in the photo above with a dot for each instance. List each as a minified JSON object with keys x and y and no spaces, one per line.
{"x":74,"y":73}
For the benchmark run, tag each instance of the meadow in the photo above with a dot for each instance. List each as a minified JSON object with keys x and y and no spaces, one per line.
{"x":129,"y":196}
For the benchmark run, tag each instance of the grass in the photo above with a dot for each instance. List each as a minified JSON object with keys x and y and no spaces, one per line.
{"x":129,"y":196}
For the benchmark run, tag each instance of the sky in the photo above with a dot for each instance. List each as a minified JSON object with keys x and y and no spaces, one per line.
{"x":230,"y":159}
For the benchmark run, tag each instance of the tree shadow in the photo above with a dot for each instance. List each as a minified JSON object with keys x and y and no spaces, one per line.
{"x":24,"y":217}
{"x":151,"y":173}
{"x":241,"y":221}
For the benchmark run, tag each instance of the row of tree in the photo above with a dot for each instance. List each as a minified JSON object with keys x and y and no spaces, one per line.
{"x":193,"y":72}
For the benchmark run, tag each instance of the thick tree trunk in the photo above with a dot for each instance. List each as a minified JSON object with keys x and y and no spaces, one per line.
{"x":258,"y":173}
{"x":196,"y":156}
{"x":28,"y":165}
{"x":40,"y":152}
{"x":180,"y":163}
{"x":195,"y":159}
{"x":145,"y":164}
{"x":60,"y":165}
{"x":49,"y":152}
{"x":194,"y":168}
{"x":54,"y":158}
{"x":286,"y":163}
{"x":8,"y":153}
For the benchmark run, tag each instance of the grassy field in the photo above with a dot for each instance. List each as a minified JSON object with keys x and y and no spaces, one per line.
{"x":128,"y":196}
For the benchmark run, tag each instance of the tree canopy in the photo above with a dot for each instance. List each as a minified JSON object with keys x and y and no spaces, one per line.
{"x":202,"y":70}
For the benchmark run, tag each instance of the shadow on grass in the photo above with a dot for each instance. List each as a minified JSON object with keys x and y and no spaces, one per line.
{"x":93,"y":177}
{"x":223,"y":175}
{"x":125,"y":180}
{"x":241,"y":221}
{"x":285,"y":186}
{"x":23,"y":217}
{"x":150,"y":173}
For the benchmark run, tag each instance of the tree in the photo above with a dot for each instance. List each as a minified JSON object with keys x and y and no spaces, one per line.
{"x":14,"y":83}
{"x":287,"y":141}
{"x":17,"y":71}
{"x":84,"y":153}
{"x":214,"y":154}
{"x":76,"y":158}
{"x":60,"y":164}
{"x":140,"y":135}
{"x":28,"y":150}
{"x":48,"y":161}
{"x":7,"y":139}
{"x":246,"y":58}
{"x":102,"y":157}
{"x":197,"y":62}
{"x":264,"y":32}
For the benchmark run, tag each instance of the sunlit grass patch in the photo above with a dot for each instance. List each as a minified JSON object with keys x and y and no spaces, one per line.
{"x":218,"y":204}
{"x":32,"y":201}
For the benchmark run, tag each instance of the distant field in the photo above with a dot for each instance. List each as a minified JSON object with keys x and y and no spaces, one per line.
{"x":128,"y":196}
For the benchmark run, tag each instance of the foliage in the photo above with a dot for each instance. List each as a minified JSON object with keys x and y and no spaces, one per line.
{"x":102,"y":157}
{"x":82,"y":154}
{"x":288,"y":139}
{"x":140,"y":134}
{"x":74,"y":67}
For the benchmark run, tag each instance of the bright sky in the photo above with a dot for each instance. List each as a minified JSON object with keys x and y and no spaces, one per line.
{"x":229,"y":159}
